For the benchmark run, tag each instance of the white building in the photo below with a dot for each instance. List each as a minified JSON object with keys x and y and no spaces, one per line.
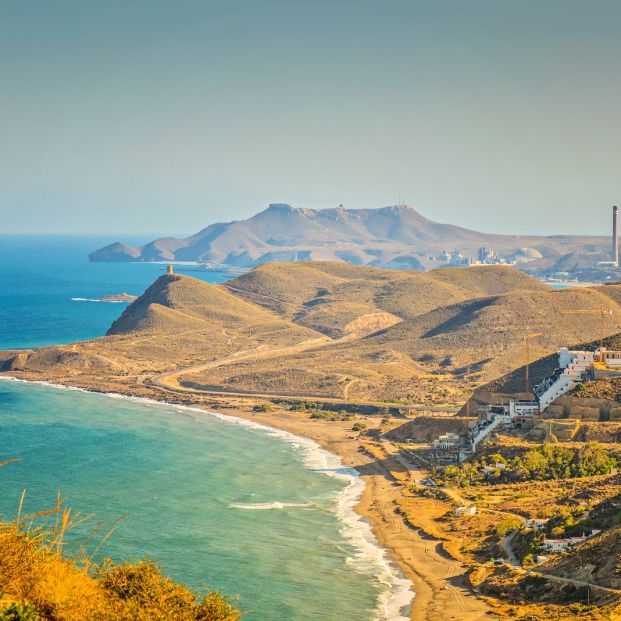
{"x":449,"y":447}
{"x":560,"y":545}
{"x":612,"y":359}
{"x":574,"y":367}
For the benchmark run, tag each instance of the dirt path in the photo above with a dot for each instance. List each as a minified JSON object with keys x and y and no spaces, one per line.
{"x":170,"y":379}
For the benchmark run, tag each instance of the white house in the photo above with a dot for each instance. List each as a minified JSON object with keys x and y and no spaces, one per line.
{"x":560,"y":545}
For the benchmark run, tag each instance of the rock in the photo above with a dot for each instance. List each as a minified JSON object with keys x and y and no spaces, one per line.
{"x":118,"y":297}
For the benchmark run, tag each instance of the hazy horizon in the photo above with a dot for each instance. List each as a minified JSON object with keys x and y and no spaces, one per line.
{"x":151,"y":118}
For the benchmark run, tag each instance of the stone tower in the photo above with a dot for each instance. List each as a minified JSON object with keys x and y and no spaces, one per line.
{"x":169,"y":270}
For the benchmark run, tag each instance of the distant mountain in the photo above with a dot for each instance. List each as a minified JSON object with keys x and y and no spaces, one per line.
{"x":395,"y":237}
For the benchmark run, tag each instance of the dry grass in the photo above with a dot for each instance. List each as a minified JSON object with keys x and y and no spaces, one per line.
{"x":38,"y":581}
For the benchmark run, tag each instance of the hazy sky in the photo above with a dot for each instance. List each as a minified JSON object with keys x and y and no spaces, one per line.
{"x":147,"y":116}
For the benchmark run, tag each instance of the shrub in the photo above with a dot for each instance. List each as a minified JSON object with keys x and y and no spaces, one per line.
{"x":545,"y":462}
{"x":359,"y":427}
{"x":38,"y":584}
{"x":141,"y":591}
{"x":261,"y":407}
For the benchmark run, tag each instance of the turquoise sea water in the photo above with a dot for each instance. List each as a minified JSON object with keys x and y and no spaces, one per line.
{"x":255,"y":513}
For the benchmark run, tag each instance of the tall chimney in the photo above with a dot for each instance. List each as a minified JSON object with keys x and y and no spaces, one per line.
{"x":615,"y":236}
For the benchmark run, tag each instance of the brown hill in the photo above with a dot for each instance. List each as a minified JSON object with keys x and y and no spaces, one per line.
{"x":175,"y":301}
{"x":450,"y":326}
{"x":327,"y":296}
{"x":335,"y":330}
{"x":177,"y":321}
{"x":396,"y":237}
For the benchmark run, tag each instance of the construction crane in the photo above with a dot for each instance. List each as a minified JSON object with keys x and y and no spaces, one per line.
{"x":527,"y":340}
{"x":602,"y":312}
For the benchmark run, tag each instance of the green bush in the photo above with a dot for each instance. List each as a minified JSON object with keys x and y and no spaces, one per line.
{"x":545,"y":462}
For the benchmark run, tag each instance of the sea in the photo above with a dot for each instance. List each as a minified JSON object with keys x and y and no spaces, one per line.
{"x":261,"y":515}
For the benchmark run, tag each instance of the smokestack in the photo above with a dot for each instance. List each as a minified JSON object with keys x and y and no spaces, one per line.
{"x":615,"y":236}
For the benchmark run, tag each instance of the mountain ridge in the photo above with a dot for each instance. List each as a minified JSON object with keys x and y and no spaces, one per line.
{"x":396,"y":237}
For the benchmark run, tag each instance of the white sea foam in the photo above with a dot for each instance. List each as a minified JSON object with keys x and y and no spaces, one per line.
{"x":265,"y":506}
{"x":370,"y":558}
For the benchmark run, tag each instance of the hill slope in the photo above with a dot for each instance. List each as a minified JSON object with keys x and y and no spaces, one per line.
{"x":176,"y":300}
{"x":332,"y":329}
{"x":395,"y":237}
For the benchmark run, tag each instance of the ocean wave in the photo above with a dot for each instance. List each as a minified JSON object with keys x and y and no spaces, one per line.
{"x":370,"y":557}
{"x":265,"y":506}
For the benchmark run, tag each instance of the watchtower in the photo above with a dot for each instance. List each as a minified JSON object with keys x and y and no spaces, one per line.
{"x":169,"y":270}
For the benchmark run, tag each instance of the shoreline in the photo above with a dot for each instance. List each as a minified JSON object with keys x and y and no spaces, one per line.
{"x":396,"y":603}
{"x":438,"y":580}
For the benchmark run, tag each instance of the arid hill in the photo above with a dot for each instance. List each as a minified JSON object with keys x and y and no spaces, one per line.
{"x":175,"y":301}
{"x":330,"y":330}
{"x":327,"y":296}
{"x":395,"y":237}
{"x":454,"y":323}
{"x":177,"y":321}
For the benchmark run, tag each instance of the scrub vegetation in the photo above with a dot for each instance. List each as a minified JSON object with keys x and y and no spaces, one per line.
{"x":542,"y":463}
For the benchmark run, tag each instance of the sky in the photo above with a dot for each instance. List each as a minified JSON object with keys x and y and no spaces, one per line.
{"x":143,"y":116}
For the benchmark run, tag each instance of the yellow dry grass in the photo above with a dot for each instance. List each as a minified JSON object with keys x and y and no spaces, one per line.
{"x":38,"y":582}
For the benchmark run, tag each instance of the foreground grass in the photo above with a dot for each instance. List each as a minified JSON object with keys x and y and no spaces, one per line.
{"x":38,"y":583}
